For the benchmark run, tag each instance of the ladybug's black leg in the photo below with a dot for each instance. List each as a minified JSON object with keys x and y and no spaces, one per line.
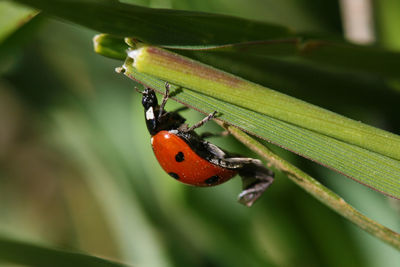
{"x":164,"y":100}
{"x":202,"y":122}
{"x":254,"y":191}
{"x":256,"y":179}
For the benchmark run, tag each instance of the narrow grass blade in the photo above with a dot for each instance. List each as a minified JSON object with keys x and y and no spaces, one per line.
{"x":226,"y":87}
{"x":196,"y":30}
{"x":17,"y":252}
{"x":379,"y":172}
{"x":12,"y":17}
{"x":160,"y":26}
{"x":328,"y":53}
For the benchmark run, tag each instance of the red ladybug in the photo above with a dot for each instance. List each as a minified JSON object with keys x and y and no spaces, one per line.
{"x":188,"y":158}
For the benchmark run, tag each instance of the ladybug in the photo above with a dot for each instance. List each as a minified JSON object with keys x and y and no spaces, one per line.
{"x":190,"y":159}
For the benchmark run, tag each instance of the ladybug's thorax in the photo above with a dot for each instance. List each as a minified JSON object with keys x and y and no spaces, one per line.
{"x":180,"y":161}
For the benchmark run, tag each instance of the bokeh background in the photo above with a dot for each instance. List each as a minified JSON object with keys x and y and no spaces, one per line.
{"x":77,"y":170}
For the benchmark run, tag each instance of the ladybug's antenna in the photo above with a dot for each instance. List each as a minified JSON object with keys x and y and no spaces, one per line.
{"x":164,"y":100}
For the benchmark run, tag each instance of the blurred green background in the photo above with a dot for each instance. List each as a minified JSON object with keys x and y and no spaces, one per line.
{"x":77,"y":171}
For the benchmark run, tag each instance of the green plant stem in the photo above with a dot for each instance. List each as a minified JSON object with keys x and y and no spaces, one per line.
{"x":319,"y":191}
{"x":227,"y":87}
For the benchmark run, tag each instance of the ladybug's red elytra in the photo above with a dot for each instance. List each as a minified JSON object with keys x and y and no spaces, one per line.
{"x":190,"y":159}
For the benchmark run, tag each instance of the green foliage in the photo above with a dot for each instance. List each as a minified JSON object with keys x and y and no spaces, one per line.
{"x":76,"y":166}
{"x":12,"y":17}
{"x":160,"y":26}
{"x":380,"y":172}
{"x":12,"y":251}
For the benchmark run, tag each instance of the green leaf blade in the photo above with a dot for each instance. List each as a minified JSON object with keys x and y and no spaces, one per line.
{"x":177,"y":29}
{"x":233,"y":89}
{"x":17,"y":252}
{"x":330,"y":53}
{"x":376,"y":171}
{"x":160,"y":26}
{"x":12,"y":17}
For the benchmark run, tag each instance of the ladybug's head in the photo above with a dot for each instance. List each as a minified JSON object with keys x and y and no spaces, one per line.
{"x":149,"y":99}
{"x":151,"y":110}
{"x":155,"y":120}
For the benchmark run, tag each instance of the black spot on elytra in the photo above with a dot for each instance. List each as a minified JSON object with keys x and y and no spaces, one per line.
{"x":212,"y":180}
{"x":174,"y":175}
{"x":179,"y":157}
